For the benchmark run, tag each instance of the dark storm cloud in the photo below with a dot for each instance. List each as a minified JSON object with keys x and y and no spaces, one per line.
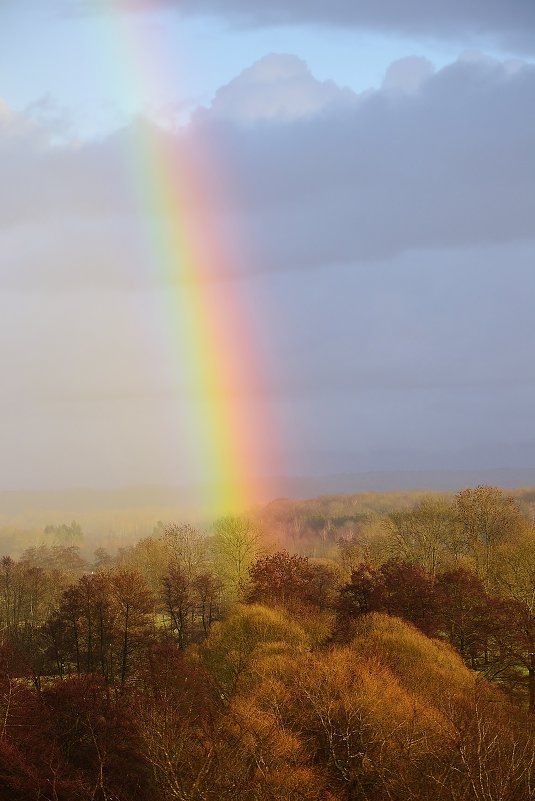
{"x":510,"y":22}
{"x":514,"y":19}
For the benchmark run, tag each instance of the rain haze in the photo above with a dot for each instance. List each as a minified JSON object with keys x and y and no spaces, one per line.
{"x":379,"y":174}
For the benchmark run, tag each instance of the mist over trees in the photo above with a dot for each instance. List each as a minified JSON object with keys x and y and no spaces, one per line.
{"x":339,"y":649}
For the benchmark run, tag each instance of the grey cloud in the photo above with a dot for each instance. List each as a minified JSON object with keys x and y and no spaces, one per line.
{"x":423,"y":322}
{"x":42,"y":179}
{"x":408,"y":74}
{"x":416,"y":336}
{"x":449,"y":163}
{"x":512,"y":23}
{"x":430,"y":352}
{"x":278,"y":86}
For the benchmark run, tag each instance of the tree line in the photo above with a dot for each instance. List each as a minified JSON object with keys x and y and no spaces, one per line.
{"x":224,"y":666}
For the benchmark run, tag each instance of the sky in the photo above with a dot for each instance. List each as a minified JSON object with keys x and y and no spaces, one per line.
{"x":372,"y":169}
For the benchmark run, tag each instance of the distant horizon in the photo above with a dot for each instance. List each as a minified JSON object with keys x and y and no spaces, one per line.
{"x":387,"y":480}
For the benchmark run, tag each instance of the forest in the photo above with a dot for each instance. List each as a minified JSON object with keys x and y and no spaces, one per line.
{"x":338,"y":649}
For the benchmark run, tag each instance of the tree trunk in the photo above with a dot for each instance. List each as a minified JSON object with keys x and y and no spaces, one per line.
{"x":125,"y":648}
{"x":531,"y":683}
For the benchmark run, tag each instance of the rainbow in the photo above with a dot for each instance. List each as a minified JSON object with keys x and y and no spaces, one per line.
{"x":230,"y":438}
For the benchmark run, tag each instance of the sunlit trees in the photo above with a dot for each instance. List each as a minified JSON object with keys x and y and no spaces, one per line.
{"x":493,"y":758}
{"x":493,"y":634}
{"x":190,"y":591}
{"x":63,"y":561}
{"x":362,"y":593}
{"x":293,"y":581}
{"x":397,"y":715}
{"x":260,"y":757}
{"x":207,"y":748}
{"x":177,"y":602}
{"x":236,"y":544}
{"x":408,"y":593}
{"x":65,"y":533}
{"x":429,"y":667}
{"x":464,"y":613}
{"x":148,"y":558}
{"x":101,"y":625}
{"x":399,"y":588}
{"x":24,"y":594}
{"x":185,"y":547}
{"x":486,"y":517}
{"x":246,"y":634}
{"x":372,"y":736}
{"x":514,"y":573}
{"x":93,"y":733}
{"x":207,"y":590}
{"x":177,"y":716}
{"x":212,"y":672}
{"x":424,"y":534}
{"x":72,"y":741}
{"x":279,"y":579}
{"x":513,"y":641}
{"x":134,"y":623}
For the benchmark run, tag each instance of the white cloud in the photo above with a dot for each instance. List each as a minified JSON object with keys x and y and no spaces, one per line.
{"x":408,"y":74}
{"x":278,"y":86}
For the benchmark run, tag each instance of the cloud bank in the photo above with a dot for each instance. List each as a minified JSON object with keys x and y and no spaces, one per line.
{"x":311,"y":174}
{"x":510,"y":23}
{"x":387,"y":271}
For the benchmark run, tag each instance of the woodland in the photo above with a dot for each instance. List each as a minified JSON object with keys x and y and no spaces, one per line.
{"x":346,"y":648}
